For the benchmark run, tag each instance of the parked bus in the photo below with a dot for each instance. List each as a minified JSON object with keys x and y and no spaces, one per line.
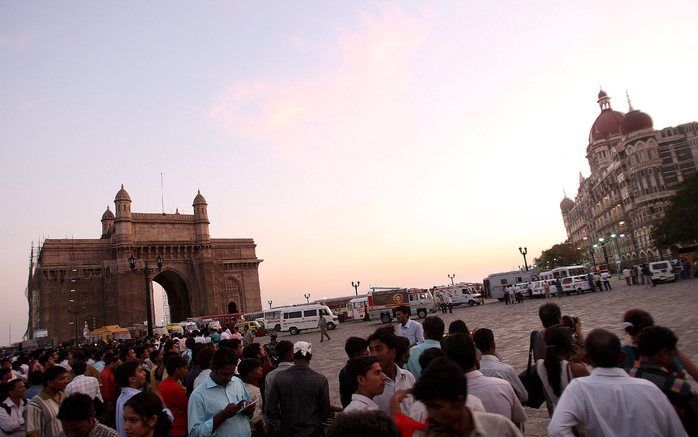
{"x":495,"y":283}
{"x":251,"y":317}
{"x":547,"y":276}
{"x":461,"y":294}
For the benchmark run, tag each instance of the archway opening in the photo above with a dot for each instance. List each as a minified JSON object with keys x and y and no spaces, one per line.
{"x":177,"y":302}
{"x":232,"y":308}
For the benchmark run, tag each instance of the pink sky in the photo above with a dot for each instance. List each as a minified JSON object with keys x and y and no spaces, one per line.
{"x":390,"y":143}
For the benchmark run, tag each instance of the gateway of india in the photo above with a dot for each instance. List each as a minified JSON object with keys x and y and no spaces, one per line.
{"x":91,"y":283}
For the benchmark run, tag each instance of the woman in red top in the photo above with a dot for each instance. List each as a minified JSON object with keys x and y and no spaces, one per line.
{"x":173,"y":394}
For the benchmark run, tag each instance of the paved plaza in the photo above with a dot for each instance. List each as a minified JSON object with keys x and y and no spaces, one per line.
{"x":672,"y":305}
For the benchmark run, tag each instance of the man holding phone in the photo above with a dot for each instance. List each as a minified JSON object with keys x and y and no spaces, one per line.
{"x":221,"y":404}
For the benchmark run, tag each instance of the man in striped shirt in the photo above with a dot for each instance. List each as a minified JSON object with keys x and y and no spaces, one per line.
{"x":43,"y":408}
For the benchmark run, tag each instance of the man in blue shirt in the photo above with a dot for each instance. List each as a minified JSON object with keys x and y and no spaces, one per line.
{"x":433,"y":331}
{"x":217,"y":405}
{"x":407,"y":327}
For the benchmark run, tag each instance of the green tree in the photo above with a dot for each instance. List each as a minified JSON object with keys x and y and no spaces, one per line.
{"x":680,"y":224}
{"x":562,"y":254}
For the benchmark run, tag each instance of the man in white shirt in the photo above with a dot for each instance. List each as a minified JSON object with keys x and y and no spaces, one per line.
{"x":382,"y":344}
{"x":131,"y":378}
{"x":490,"y":365}
{"x":610,"y":402}
{"x":88,"y":385}
{"x":408,"y":328}
{"x":369,"y":381}
{"x":496,"y":394}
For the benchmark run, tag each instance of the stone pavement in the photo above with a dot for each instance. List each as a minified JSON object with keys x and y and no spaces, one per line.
{"x":672,"y":305}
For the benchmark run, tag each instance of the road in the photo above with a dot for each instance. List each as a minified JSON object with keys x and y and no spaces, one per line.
{"x":672,"y":305}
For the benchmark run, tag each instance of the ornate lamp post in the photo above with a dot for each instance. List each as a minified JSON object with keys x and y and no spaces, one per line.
{"x":146,"y":276}
{"x":451,"y":277}
{"x":356,"y":287}
{"x":269,"y":302}
{"x":524,"y":252}
{"x":307,"y":297}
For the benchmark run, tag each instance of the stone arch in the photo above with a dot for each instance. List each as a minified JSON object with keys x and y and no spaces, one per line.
{"x":177,"y":289}
{"x":233,"y":295}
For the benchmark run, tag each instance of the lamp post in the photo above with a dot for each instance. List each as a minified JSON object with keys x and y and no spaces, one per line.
{"x":603,"y":249}
{"x":356,"y":287}
{"x":593,"y":258}
{"x":524,"y":252}
{"x":451,"y":277}
{"x":146,"y":276}
{"x":269,"y":302}
{"x":307,"y":297}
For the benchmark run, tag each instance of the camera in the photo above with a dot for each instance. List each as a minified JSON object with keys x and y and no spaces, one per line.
{"x":570,"y":322}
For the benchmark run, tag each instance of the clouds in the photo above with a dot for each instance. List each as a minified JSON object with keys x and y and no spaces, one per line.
{"x":357,"y":95}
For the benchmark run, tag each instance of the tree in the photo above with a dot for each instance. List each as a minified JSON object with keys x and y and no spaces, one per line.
{"x":680,"y":224}
{"x":562,"y":254}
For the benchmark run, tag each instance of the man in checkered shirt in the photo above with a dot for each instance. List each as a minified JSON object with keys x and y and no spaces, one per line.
{"x":83,"y":384}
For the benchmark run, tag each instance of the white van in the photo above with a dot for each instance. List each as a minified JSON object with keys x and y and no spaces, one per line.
{"x":189,"y":326}
{"x":461,"y":294}
{"x":297,"y":318}
{"x":662,"y":271}
{"x":358,"y":307}
{"x":575,"y":284}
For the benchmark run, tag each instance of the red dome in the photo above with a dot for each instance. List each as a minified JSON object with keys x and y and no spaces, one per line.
{"x":634,"y":121}
{"x":607,"y":123}
{"x":566,"y":204}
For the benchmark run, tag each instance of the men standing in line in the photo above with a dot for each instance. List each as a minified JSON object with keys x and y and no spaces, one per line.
{"x":216,"y":407}
{"x":610,"y":402}
{"x":299,"y":400}
{"x":408,"y":328}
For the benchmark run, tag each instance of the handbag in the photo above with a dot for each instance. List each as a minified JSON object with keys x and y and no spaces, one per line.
{"x":531,"y":381}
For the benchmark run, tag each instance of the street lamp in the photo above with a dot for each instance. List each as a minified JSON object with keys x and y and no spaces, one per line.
{"x":603,"y":249}
{"x":146,"y":276}
{"x":451,"y":277}
{"x":269,"y":302}
{"x":356,"y":287}
{"x":524,"y":252}
{"x":307,"y":297}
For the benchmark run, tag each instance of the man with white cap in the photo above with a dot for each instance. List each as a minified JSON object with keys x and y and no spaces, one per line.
{"x":299,"y":400}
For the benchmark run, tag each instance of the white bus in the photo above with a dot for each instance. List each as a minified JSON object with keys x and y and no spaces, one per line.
{"x":461,"y":294}
{"x":496,"y":282}
{"x":564,"y":272}
{"x":546,"y":276}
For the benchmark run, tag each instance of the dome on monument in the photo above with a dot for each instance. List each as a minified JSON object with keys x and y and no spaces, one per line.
{"x":607,"y":123}
{"x":199,"y":199}
{"x":108,"y":215}
{"x":566,"y":204}
{"x":122,"y":195}
{"x":634,"y":121}
{"x":602,"y":94}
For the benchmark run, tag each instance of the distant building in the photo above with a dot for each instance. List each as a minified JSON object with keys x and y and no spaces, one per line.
{"x":89,"y":281}
{"x":635,"y":169}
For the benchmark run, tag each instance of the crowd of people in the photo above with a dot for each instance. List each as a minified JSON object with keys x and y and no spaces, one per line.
{"x":409,"y":379}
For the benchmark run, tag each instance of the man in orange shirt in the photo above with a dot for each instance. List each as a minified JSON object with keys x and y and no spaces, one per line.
{"x":106,"y":378}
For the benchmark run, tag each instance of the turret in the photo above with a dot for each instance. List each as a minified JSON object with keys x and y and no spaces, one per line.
{"x":107,"y":222}
{"x":201,"y":218}
{"x":123,"y":225}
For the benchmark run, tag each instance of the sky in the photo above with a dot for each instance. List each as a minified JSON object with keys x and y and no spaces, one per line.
{"x":391,"y":143}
